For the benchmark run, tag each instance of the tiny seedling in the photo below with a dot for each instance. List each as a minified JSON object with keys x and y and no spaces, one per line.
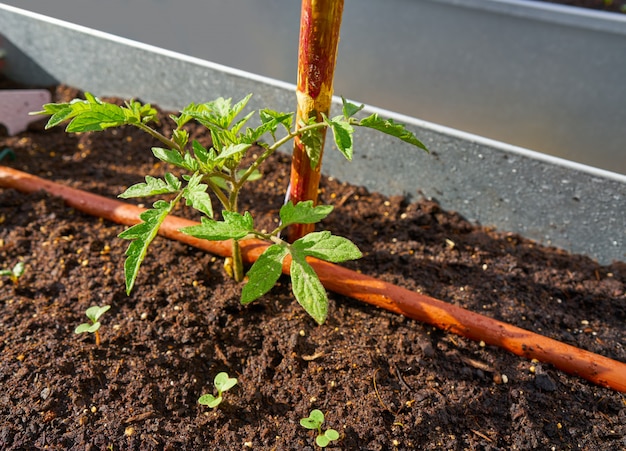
{"x":93,"y":313}
{"x":15,"y":273}
{"x":314,"y":421}
{"x":222,"y":383}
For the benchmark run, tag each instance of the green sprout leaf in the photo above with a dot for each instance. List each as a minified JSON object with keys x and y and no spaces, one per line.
{"x":392,"y":128}
{"x":142,"y":235}
{"x":303,"y":213}
{"x":314,"y":422}
{"x":222,"y":383}
{"x":15,"y":273}
{"x":325,"y":439}
{"x":95,"y":312}
{"x":91,"y":328}
{"x":264,"y":273}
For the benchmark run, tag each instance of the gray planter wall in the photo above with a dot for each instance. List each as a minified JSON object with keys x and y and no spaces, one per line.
{"x":542,"y":76}
{"x":551,"y":200}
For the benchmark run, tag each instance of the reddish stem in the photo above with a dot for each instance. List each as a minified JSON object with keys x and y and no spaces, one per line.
{"x":595,"y":368}
{"x":320,"y":22}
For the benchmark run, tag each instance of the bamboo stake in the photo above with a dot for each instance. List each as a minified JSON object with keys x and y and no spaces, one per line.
{"x":595,"y":368}
{"x":320,"y":22}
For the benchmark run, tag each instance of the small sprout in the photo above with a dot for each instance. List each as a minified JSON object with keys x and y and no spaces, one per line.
{"x":222,"y":383}
{"x":15,"y":273}
{"x":315,"y":421}
{"x":93,"y":313}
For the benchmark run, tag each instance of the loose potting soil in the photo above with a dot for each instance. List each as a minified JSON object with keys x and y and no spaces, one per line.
{"x":383,"y":381}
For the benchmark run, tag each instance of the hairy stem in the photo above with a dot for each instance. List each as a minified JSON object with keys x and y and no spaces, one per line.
{"x":164,"y":139}
{"x":237,"y":262}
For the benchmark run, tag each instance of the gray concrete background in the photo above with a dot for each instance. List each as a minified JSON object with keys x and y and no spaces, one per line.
{"x":556,"y":202}
{"x":540,"y":76}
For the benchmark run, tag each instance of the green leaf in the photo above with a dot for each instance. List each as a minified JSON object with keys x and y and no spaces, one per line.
{"x":313,"y":141}
{"x":342,"y":134}
{"x":223,"y":382}
{"x":95,"y":312}
{"x":142,"y":235}
{"x":303,"y":213}
{"x":264,"y":273}
{"x":307,"y":288}
{"x":153,"y":187}
{"x":233,"y":150}
{"x":314,"y":420}
{"x":322,"y":441}
{"x":196,"y":196}
{"x":392,"y":128}
{"x":174,"y":157}
{"x":235,"y":226}
{"x":18,"y":270}
{"x":331,"y":434}
{"x":271,"y":119}
{"x":325,"y":246}
{"x":210,"y":401}
{"x":350,"y":109}
{"x":92,"y":114}
{"x":85,"y":327}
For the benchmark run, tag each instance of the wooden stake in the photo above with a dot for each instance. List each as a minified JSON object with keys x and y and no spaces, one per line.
{"x":320,"y":22}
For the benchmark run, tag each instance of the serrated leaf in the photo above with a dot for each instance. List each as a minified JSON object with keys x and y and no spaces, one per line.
{"x":274,"y":118}
{"x":152,"y":187}
{"x":264,"y":273}
{"x":233,"y":150}
{"x":175,"y":158}
{"x":303,"y":213}
{"x":325,"y":246}
{"x":99,"y":117}
{"x":350,"y":109}
{"x":142,"y":235}
{"x":196,"y":196}
{"x":307,"y":288}
{"x":206,"y":157}
{"x":235,"y":226}
{"x":392,"y":128}
{"x":312,"y":140}
{"x":342,"y":134}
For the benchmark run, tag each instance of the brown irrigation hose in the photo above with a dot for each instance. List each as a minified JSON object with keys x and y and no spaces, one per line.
{"x":593,"y":367}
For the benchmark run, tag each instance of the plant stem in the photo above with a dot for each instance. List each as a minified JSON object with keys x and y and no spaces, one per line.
{"x":320,"y":22}
{"x":237,"y":262}
{"x":97,"y":336}
{"x":164,"y":139}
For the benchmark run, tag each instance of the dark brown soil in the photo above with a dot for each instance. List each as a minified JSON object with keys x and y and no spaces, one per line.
{"x":383,"y":381}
